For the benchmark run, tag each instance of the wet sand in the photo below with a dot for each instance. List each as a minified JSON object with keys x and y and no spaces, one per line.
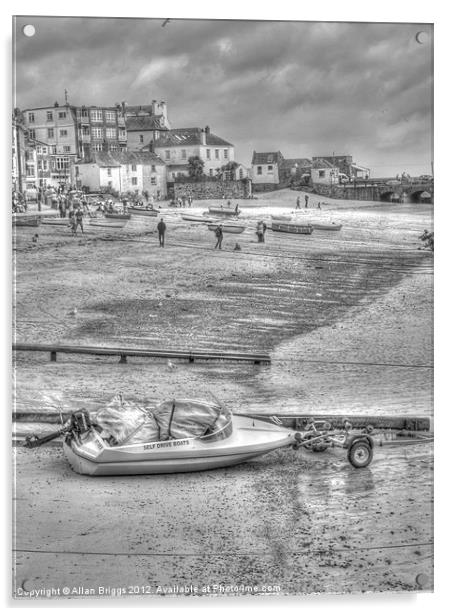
{"x":347,"y":319}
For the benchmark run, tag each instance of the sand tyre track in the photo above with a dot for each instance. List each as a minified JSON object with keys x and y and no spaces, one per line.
{"x":360,"y":453}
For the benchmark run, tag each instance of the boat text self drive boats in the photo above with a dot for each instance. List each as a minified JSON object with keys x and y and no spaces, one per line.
{"x":187,"y":435}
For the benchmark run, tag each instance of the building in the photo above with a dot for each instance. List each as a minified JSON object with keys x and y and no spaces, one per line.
{"x":265,"y":168}
{"x":295,"y":169}
{"x":122,"y":172}
{"x":57,"y":127}
{"x":345,"y":165}
{"x":19,"y":139}
{"x":100,"y":129}
{"x":38,"y":164}
{"x":145,"y":124}
{"x":324,"y":172}
{"x":177,"y":145}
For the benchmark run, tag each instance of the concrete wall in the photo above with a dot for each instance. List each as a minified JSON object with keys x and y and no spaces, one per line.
{"x":214,"y":189}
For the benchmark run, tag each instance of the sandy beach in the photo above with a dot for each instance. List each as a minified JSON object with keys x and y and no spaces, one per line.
{"x":347,"y":318}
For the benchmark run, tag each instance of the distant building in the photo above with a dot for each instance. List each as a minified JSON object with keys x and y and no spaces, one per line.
{"x":38,"y":164}
{"x":345,"y":165}
{"x":123,"y":172}
{"x":295,"y":169}
{"x":324,"y":172}
{"x":100,"y":129}
{"x":145,"y":124}
{"x":177,"y":145}
{"x":265,"y":168}
{"x":19,"y":138}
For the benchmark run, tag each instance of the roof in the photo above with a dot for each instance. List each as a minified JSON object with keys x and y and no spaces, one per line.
{"x":267,"y":158}
{"x":300,"y":162}
{"x":116,"y":159}
{"x":321,"y":163}
{"x":145,"y":122}
{"x":188,"y":136}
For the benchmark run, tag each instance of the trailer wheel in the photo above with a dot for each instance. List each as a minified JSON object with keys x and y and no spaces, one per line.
{"x":360,"y":454}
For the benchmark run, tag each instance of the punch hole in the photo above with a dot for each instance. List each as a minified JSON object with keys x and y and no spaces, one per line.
{"x":29,"y":30}
{"x":421,"y":37}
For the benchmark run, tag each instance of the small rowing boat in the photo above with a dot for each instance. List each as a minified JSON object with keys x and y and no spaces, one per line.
{"x":281,"y":218}
{"x":119,"y":216}
{"x":228,"y":228}
{"x":292,"y":227}
{"x":332,"y":226}
{"x":26,"y":220}
{"x":57,"y":222}
{"x":107,"y":225}
{"x":143,"y":211}
{"x":195,"y":218}
{"x":224,"y":211}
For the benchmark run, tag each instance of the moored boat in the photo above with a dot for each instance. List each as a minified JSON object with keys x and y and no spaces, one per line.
{"x":118,"y":216}
{"x":58,"y":222}
{"x":281,"y":217}
{"x":292,"y":227}
{"x":224,"y":211}
{"x":195,"y":218}
{"x":26,"y":220}
{"x":142,"y":211}
{"x":113,"y":224}
{"x":227,"y":228}
{"x":332,"y":226}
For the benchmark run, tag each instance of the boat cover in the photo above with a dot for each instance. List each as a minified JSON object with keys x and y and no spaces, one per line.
{"x":126,"y":423}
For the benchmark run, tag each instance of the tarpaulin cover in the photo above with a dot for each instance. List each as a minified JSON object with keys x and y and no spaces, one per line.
{"x":188,"y":419}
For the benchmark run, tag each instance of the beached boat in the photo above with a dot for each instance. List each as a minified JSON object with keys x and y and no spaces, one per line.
{"x":26,"y":220}
{"x":58,"y":222}
{"x":292,"y":227}
{"x":106,"y":224}
{"x":182,"y":435}
{"x":227,"y":228}
{"x":118,"y":216}
{"x":224,"y":211}
{"x":195,"y":218}
{"x":143,"y":211}
{"x":332,"y":226}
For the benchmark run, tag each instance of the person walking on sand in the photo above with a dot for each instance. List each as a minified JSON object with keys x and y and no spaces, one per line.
{"x":161,"y":228}
{"x":306,"y":199}
{"x":298,"y":203}
{"x":219,"y":236}
{"x":78,"y":218}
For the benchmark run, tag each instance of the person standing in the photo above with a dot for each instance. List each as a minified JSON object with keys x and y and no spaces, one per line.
{"x":318,"y":206}
{"x":298,"y":203}
{"x":306,"y":199}
{"x":260,"y":231}
{"x":161,"y":228}
{"x":219,"y":236}
{"x":78,"y":216}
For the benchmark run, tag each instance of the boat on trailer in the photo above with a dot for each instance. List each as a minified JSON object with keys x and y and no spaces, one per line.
{"x":185,"y":435}
{"x":292,"y":227}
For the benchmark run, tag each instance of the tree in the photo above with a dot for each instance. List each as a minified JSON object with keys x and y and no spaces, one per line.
{"x":195,"y":167}
{"x":228,"y":169}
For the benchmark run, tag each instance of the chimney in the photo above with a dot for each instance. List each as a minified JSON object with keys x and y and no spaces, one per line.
{"x":207,"y":130}
{"x":154,"y":107}
{"x":203,"y":137}
{"x":163,"y":110}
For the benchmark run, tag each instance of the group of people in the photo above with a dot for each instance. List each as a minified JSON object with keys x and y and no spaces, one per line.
{"x":182,"y":201}
{"x":306,"y":202}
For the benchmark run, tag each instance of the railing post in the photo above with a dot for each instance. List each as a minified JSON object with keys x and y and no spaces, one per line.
{"x":53,"y":356}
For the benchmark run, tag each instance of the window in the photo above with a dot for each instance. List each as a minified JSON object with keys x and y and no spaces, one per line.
{"x":110,"y":184}
{"x":208,"y":154}
{"x":153,"y":181}
{"x":63,"y":132}
{"x":44,"y":149}
{"x":50,"y":133}
{"x":54,"y":149}
{"x":217,"y":154}
{"x":38,"y":149}
{"x":31,"y":118}
{"x":270,"y":158}
{"x":85,"y":131}
{"x":62,"y":115}
{"x":167,"y":154}
{"x":50,"y":116}
{"x":84,"y":113}
{"x":184,"y":154}
{"x":153,"y":168}
{"x":321,"y":173}
{"x":96,"y":132}
{"x":44,"y":165}
{"x":66,"y":149}
{"x":30,"y":169}
{"x":241,"y":173}
{"x":259,"y":170}
{"x":110,"y":116}
{"x":134,"y":167}
{"x":61,"y":163}
{"x":141,"y":138}
{"x":97,"y":147}
{"x":32,"y":133}
{"x":110,"y":133}
{"x":226,"y":153}
{"x":122,"y":134}
{"x":134,"y":181}
{"x":109,"y":171}
{"x":211,"y":172}
{"x":114,"y":147}
{"x":270,"y":169}
{"x":96,"y":115}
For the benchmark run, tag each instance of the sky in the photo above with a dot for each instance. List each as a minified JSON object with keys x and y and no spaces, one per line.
{"x":304,"y":88}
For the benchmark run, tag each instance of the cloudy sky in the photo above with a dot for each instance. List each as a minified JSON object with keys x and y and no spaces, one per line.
{"x":305,"y":88}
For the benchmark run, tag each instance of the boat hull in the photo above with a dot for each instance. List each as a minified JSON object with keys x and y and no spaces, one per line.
{"x":326,"y":227}
{"x":287,"y":227}
{"x":108,"y":225}
{"x":249,"y":439}
{"x":194,"y":218}
{"x":118,"y":216}
{"x":223,"y":211}
{"x":143,"y":212}
{"x":228,"y":228}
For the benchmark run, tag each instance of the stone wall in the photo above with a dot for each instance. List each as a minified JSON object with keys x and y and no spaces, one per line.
{"x":217,"y":189}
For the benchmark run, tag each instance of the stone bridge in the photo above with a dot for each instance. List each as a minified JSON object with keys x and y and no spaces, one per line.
{"x":379,"y":190}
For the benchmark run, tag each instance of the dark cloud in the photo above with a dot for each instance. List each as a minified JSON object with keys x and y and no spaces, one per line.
{"x":303,"y":88}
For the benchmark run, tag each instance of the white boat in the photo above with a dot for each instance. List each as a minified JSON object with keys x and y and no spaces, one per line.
{"x":227,"y":228}
{"x":142,"y":211}
{"x":195,"y":218}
